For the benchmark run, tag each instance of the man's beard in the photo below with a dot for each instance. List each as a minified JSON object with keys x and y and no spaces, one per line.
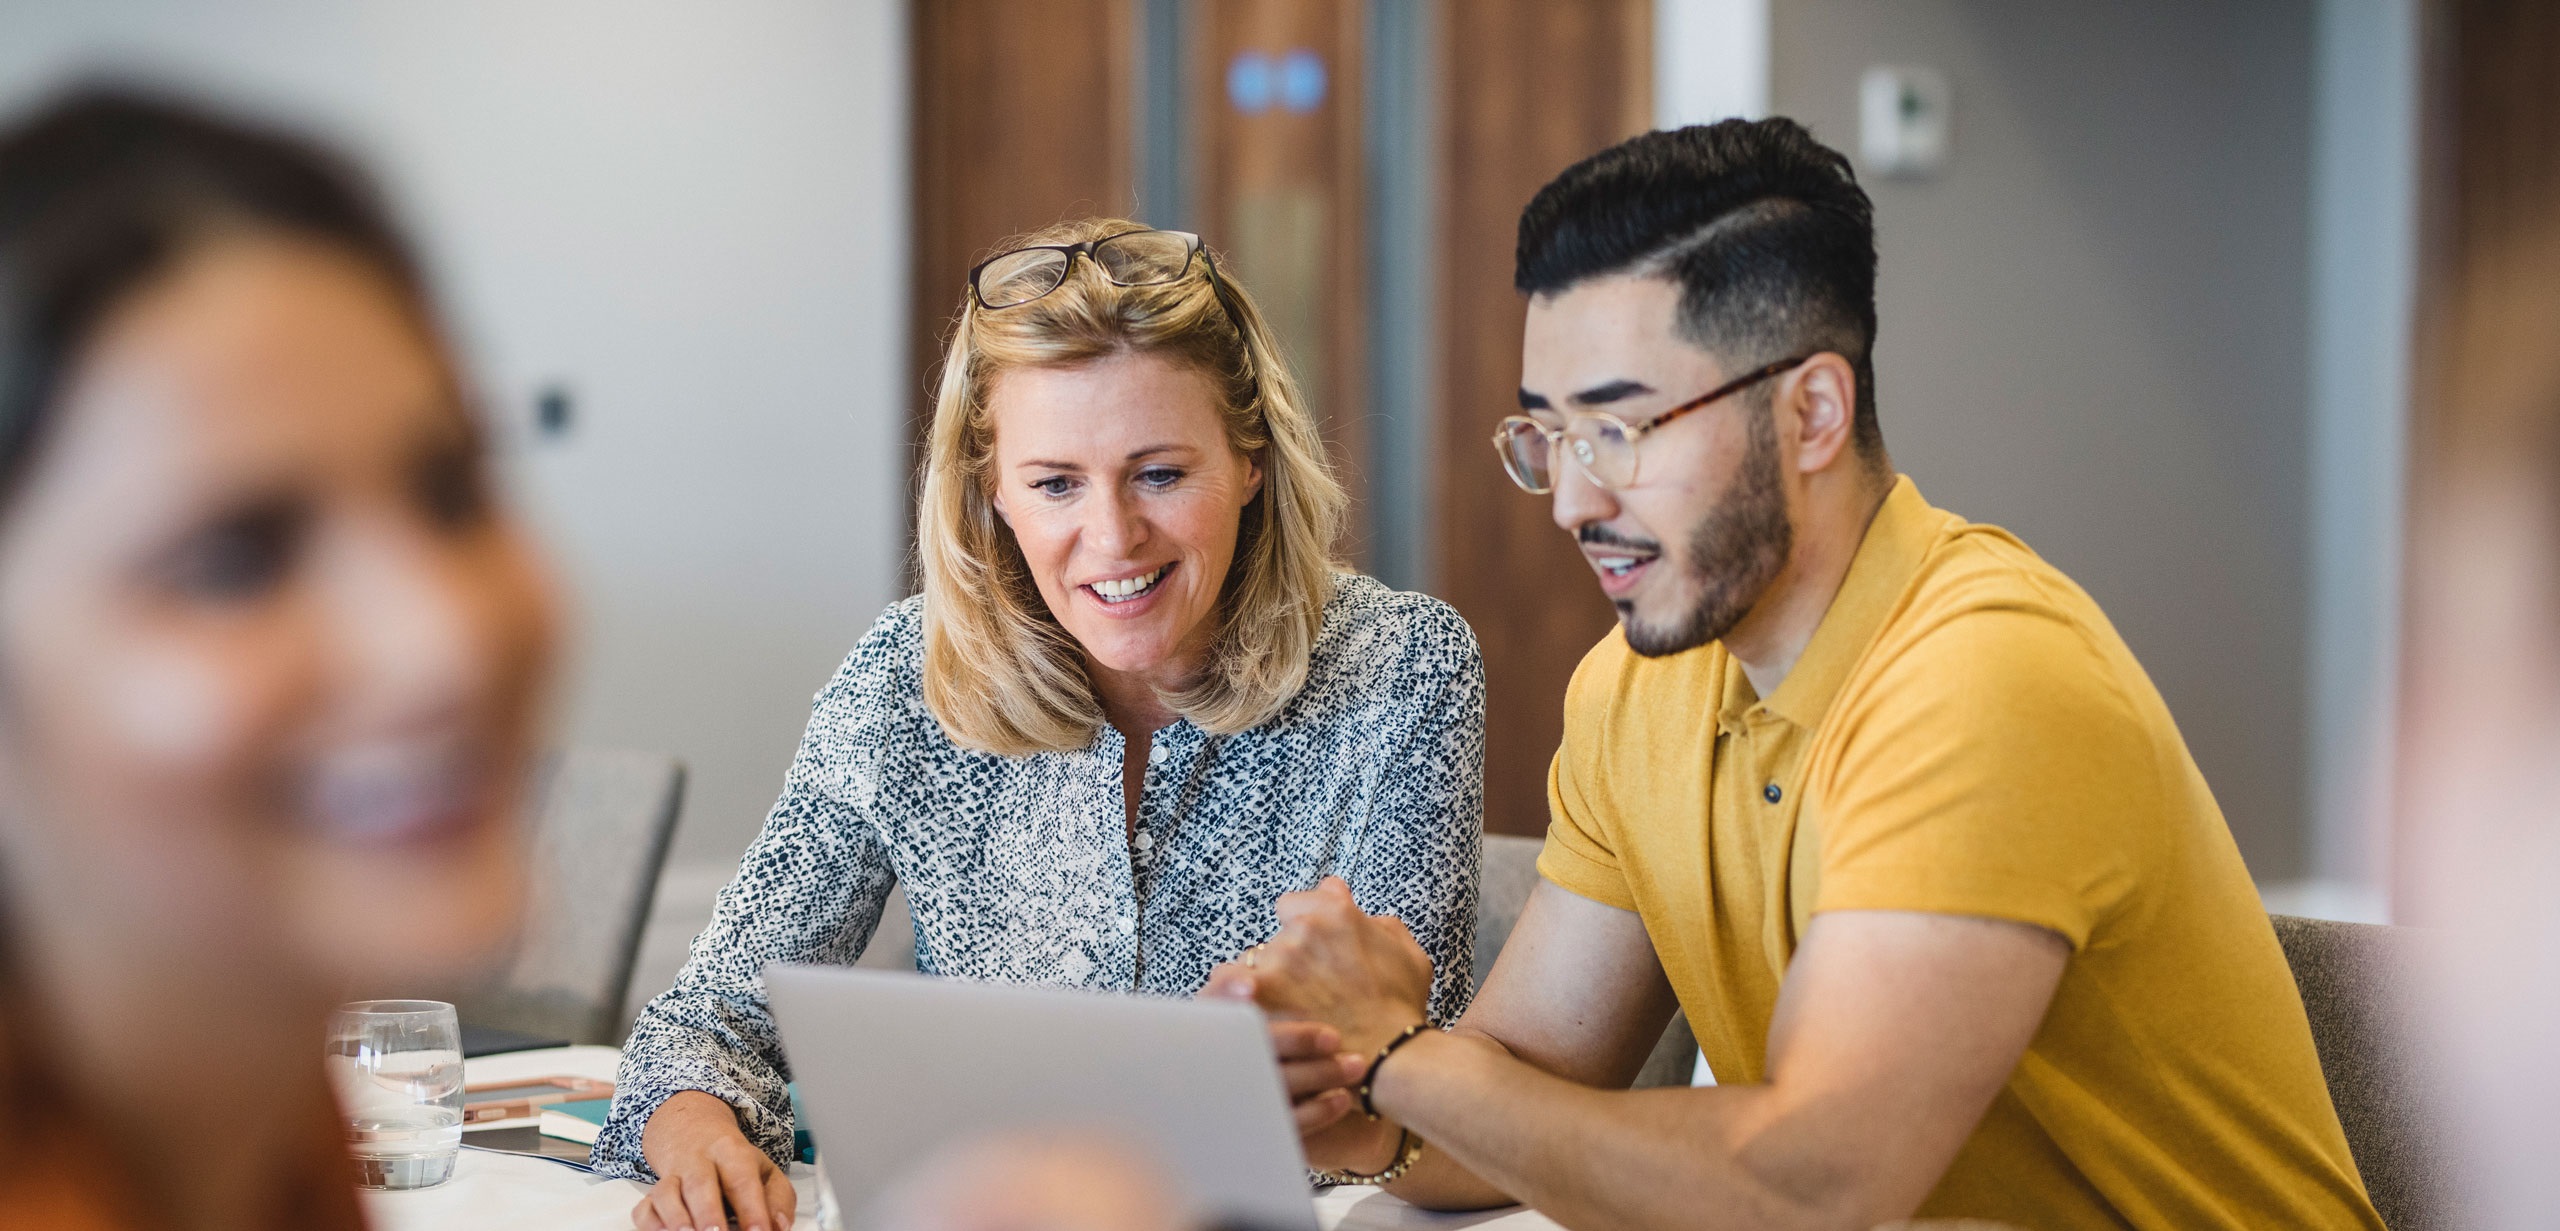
{"x":1735,"y":551}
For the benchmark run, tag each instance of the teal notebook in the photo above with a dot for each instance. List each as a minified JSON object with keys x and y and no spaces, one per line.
{"x":801,"y":1147}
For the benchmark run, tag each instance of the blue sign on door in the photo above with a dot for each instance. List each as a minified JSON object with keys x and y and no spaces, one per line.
{"x":1295,"y":82}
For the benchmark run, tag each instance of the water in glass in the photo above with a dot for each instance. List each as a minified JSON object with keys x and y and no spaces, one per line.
{"x":397,"y":1068}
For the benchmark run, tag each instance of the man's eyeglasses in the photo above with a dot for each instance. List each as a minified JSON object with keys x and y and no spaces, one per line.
{"x":1603,"y":444}
{"x":1130,"y":258}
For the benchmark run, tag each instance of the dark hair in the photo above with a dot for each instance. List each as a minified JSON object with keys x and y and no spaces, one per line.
{"x":1765,"y":229}
{"x":106,"y":187}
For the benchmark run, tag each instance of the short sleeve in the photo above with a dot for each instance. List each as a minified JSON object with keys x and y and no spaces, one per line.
{"x":1580,"y":854}
{"x":1992,"y":769}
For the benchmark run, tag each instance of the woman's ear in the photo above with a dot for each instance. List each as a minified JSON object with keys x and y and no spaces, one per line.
{"x":1252,"y":479}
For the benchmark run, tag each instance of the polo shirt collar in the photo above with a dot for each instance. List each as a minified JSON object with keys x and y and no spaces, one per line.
{"x":1889,"y":555}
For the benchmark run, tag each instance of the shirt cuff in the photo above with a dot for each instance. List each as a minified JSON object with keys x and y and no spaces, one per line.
{"x":1976,"y":892}
{"x":1584,"y":876}
{"x":637,"y":1096}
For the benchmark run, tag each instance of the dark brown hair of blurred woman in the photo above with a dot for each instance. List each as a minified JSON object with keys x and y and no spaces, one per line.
{"x":271,"y":662}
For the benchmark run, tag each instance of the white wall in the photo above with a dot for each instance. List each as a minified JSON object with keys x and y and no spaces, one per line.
{"x":1710,"y":61}
{"x":693,"y":216}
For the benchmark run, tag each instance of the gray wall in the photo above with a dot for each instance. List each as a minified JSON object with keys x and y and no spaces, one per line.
{"x":2094,"y":328}
{"x":693,"y":216}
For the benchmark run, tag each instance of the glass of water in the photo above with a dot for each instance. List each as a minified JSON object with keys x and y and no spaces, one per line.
{"x":397,"y":1068}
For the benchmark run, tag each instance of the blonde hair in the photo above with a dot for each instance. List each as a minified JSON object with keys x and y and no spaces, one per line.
{"x":1000,"y":673}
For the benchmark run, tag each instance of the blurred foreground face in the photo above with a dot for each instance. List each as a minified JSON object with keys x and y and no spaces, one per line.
{"x":1034,"y":1182}
{"x":269,"y":655}
{"x":2482,"y":797}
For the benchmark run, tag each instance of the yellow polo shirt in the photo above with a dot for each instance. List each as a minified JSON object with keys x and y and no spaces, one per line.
{"x":1967,"y":735}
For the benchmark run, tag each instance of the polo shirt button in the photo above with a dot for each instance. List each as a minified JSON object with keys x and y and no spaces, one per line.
{"x":1157,"y":754}
{"x":1772,"y":793}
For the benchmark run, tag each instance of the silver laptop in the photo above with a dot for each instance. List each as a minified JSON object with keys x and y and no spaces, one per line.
{"x":893,"y":1067}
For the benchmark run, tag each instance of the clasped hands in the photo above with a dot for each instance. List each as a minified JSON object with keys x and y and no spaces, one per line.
{"x":1337,"y":985}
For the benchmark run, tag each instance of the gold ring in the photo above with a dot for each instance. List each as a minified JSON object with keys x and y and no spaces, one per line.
{"x":1248,"y":955}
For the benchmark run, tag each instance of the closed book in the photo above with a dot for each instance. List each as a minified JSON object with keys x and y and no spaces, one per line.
{"x":578,"y":1120}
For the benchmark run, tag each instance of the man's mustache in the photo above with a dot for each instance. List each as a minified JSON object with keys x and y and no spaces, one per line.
{"x":1593,"y":534}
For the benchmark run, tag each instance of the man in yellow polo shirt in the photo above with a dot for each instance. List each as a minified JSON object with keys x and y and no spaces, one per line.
{"x":1873,"y":793}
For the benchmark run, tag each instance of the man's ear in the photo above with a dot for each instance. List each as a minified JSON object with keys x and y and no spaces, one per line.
{"x":1824,"y":395}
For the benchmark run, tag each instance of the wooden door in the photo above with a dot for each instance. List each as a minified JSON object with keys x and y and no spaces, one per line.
{"x":1528,"y":87}
{"x":1026,"y":114}
{"x":1023,"y":118}
{"x":1275,"y":90}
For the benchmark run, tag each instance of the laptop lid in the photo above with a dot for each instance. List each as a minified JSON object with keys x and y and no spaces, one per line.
{"x":894,"y":1067}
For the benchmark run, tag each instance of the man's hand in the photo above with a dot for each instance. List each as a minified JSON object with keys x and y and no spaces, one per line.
{"x":708,"y":1171}
{"x":1366,"y":977}
{"x":1338,"y":984}
{"x":1318,"y":1076}
{"x":1316,"y":1071}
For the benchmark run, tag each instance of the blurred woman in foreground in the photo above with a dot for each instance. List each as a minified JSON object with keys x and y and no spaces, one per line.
{"x":270,"y":661}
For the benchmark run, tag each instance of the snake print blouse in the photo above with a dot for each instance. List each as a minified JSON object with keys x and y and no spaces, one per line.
{"x":1021,"y":869}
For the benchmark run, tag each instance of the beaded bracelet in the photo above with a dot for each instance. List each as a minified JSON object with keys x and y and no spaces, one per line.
{"x":1369,"y":1079}
{"x":1408,"y":1152}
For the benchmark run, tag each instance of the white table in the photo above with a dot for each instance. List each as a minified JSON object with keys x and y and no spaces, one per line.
{"x":501,"y":1192}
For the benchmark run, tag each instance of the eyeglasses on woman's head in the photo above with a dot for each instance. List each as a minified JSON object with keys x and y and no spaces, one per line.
{"x":1130,"y":258}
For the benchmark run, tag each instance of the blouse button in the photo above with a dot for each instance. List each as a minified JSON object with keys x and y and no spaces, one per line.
{"x":1145,"y":841}
{"x":1127,"y":925}
{"x":1157,"y":754}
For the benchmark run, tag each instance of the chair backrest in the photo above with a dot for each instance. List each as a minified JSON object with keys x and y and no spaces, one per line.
{"x":600,"y":835}
{"x":1508,"y":873}
{"x":893,"y":942}
{"x":2351,"y":976}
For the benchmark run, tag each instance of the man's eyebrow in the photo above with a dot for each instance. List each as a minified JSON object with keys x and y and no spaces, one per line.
{"x":1614,"y":391}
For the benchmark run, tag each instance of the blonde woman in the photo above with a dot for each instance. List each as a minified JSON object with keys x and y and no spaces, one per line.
{"x":1136,"y":702}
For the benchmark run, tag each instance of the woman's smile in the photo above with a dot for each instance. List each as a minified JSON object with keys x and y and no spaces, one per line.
{"x":1119,"y":593}
{"x":420,"y":791}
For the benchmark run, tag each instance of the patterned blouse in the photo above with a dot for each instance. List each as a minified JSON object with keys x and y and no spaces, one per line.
{"x":1022,"y":869}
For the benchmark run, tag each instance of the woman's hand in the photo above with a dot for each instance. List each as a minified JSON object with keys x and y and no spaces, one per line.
{"x":707,"y":1170}
{"x":1363,"y":975}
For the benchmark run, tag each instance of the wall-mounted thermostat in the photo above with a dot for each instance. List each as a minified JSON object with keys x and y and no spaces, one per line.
{"x":1905,"y":117}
